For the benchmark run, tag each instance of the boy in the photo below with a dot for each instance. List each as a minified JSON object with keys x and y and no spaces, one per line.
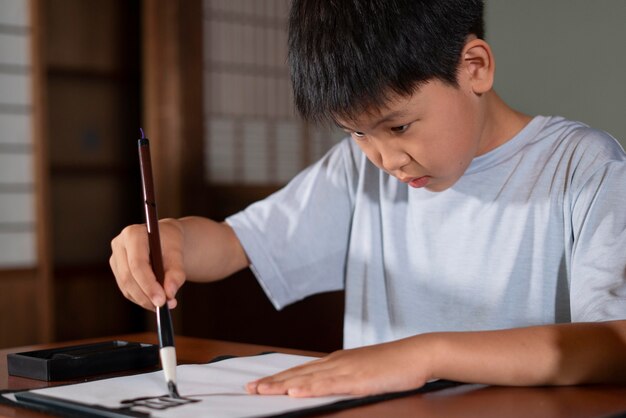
{"x":475,"y":243}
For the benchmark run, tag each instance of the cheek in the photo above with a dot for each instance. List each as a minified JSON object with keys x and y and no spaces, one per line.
{"x":371,"y":154}
{"x":458,"y":138}
{"x":445,"y":150}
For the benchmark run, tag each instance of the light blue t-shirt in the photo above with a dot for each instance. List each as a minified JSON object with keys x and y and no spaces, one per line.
{"x":533,"y":233}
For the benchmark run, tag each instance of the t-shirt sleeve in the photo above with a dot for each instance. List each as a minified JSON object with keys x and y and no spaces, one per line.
{"x":598,"y":276}
{"x":297,"y":238}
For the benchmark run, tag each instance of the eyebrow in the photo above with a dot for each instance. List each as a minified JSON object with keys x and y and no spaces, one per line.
{"x":388,"y":117}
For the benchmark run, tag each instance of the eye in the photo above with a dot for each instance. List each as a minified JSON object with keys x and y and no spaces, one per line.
{"x":400,"y":129}
{"x":358,"y":134}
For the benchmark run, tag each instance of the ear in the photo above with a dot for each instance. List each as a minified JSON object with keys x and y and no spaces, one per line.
{"x":478,"y":65}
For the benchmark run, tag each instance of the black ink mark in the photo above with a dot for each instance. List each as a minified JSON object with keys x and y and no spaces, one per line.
{"x":158,"y":403}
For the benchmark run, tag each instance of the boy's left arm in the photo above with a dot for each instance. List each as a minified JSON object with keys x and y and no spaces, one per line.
{"x":563,"y":354}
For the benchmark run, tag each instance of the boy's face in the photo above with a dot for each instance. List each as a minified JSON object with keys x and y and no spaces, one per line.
{"x":425,"y":140}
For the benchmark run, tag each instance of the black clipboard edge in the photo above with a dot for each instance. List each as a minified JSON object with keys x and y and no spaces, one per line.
{"x":70,"y":409}
{"x":41,"y":407}
{"x":74,"y":409}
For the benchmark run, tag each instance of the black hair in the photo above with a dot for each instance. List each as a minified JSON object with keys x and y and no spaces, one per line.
{"x":347,"y":56}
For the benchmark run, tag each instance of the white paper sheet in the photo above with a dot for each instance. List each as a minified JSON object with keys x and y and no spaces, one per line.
{"x":218,"y":388}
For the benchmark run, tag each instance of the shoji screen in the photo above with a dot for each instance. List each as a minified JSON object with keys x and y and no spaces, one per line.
{"x":25,"y":292}
{"x":17,"y":203}
{"x":252,"y":133}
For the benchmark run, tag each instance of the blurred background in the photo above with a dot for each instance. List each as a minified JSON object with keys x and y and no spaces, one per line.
{"x":207,"y":81}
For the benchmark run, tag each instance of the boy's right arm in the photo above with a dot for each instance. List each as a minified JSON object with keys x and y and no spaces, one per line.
{"x":194,"y":248}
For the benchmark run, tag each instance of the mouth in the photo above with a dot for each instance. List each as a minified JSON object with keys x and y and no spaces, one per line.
{"x":416,"y":182}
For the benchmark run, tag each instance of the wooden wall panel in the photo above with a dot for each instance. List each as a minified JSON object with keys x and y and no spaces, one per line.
{"x":91,"y":65}
{"x":92,"y":305}
{"x":88,"y":212}
{"x":237,"y":309}
{"x":20,"y":314}
{"x":85,"y":34}
{"x":89,"y":126}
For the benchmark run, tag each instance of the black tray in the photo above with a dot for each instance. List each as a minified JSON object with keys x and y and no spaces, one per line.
{"x":78,"y":361}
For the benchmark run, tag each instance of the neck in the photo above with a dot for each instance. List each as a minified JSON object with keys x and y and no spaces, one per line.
{"x":501,"y":122}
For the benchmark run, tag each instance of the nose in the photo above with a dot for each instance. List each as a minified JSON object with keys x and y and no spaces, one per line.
{"x":393,"y":159}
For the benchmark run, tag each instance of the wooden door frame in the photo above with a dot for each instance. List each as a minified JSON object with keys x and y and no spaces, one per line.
{"x":45,"y":289}
{"x":173,"y":101}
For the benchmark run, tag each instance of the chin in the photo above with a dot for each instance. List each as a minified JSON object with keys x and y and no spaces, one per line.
{"x":438,"y":187}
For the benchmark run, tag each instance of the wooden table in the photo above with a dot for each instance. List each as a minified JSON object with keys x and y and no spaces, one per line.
{"x":486,"y":402}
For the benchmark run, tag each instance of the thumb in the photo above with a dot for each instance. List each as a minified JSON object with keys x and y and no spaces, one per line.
{"x":174,"y":272}
{"x":174,"y":279}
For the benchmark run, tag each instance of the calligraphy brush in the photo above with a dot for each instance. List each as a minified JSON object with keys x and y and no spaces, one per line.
{"x":164,"y":320}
